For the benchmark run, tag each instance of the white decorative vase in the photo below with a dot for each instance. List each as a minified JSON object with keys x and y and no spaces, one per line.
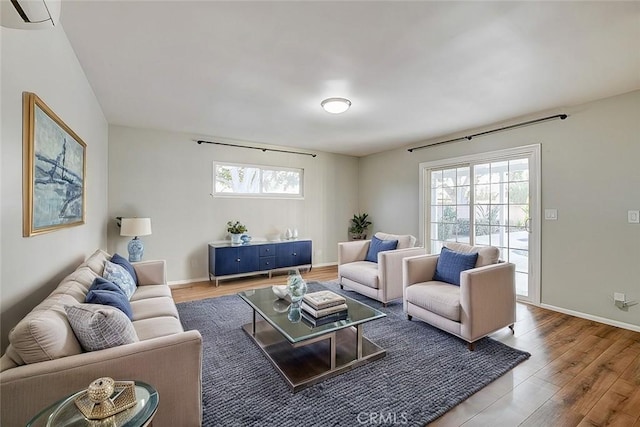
{"x":295,"y":233}
{"x":288,"y":234}
{"x":236,"y":238}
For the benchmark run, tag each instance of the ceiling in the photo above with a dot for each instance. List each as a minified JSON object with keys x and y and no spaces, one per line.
{"x":255,"y":72}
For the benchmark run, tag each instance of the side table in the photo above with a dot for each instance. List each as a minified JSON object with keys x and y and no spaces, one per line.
{"x":65,"y":412}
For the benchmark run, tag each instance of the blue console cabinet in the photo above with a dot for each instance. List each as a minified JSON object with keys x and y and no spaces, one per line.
{"x":226,"y":260}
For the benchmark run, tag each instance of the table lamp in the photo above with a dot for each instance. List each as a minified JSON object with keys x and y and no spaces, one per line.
{"x":135,"y":227}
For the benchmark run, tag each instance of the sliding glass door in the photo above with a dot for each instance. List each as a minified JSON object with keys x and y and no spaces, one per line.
{"x":488,"y":200}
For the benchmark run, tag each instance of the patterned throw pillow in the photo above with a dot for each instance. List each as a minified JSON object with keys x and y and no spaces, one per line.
{"x":122,"y":261}
{"x":117,"y":274}
{"x":98,"y":327}
{"x":451,"y":264}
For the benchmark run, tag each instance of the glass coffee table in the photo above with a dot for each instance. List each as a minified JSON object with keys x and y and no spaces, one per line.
{"x":305,"y":355}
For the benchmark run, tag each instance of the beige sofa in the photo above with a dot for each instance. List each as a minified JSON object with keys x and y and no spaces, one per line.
{"x":484,"y":302}
{"x":381,"y":281}
{"x":44,"y":361}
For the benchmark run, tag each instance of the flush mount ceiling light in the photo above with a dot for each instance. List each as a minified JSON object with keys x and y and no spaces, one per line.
{"x":336,"y":105}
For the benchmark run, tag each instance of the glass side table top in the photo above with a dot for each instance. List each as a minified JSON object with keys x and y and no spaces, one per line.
{"x":276,"y":312}
{"x":66,"y":413}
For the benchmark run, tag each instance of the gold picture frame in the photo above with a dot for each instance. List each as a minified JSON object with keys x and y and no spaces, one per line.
{"x":54,"y":169}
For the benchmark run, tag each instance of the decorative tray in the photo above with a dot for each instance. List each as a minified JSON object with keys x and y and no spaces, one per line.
{"x":123,"y":397}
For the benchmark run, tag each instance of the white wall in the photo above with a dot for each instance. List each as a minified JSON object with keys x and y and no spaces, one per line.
{"x":43,"y":62}
{"x":590,"y":173}
{"x":168,"y":177}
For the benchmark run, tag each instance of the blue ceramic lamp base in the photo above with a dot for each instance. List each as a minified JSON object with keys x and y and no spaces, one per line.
{"x":136,"y":249}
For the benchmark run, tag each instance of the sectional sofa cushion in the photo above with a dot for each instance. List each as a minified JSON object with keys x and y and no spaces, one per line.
{"x":404,"y":240}
{"x":45,"y":333}
{"x":117,"y":274}
{"x":451,"y":264}
{"x":154,"y":307}
{"x":363,"y":272}
{"x":115,"y":299}
{"x":98,"y":327}
{"x":96,"y":261}
{"x":124,"y":263}
{"x":487,"y":255}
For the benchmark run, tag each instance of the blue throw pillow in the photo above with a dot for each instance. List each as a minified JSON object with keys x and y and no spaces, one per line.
{"x":122,"y":261}
{"x":100,"y":284}
{"x":451,"y":264}
{"x":114,"y":299}
{"x":121,"y":277}
{"x":378,"y":245}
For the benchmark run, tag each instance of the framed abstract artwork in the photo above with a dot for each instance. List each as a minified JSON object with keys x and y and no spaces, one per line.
{"x":54,"y":183}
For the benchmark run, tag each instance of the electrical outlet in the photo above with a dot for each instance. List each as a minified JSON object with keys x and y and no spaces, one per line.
{"x":619,"y":296}
{"x":633,"y":217}
{"x":551,"y":214}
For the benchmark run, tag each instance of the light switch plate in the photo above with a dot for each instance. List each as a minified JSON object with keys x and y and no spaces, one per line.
{"x":551,"y":214}
{"x":633,"y":217}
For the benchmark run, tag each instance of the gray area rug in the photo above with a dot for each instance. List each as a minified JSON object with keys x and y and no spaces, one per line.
{"x":425,"y":373}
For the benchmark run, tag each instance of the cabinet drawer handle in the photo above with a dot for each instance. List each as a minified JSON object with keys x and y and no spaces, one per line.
{"x":294,"y":254}
{"x":238,"y":260}
{"x":267,"y":263}
{"x":267,"y":250}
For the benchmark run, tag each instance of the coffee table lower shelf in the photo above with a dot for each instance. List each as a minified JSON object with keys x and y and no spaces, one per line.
{"x":311,"y":361}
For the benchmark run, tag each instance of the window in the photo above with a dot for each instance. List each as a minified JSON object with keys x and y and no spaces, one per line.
{"x":487,"y":199}
{"x":239,"y":180}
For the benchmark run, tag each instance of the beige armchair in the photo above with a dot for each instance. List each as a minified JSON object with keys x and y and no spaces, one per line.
{"x":484,"y":302}
{"x":381,"y":281}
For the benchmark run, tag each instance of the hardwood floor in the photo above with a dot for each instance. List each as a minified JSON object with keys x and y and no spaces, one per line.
{"x":580,"y":373}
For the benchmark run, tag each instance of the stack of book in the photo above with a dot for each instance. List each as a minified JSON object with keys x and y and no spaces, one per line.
{"x":322,"y":307}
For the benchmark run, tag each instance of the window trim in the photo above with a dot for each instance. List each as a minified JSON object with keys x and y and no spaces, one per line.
{"x":260,"y":195}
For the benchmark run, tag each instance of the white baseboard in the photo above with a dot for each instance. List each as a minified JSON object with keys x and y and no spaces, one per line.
{"x":599,"y":319}
{"x":186,"y":282}
{"x":205,"y":279}
{"x":326,"y":264}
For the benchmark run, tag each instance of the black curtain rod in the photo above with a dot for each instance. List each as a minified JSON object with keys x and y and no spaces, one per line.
{"x":255,"y":148}
{"x":468,"y":138}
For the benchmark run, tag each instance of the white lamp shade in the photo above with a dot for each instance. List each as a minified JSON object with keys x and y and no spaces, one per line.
{"x":135,"y":227}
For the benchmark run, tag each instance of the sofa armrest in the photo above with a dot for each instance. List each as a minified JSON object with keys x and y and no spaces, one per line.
{"x":355,"y":250}
{"x":487,"y":299}
{"x":390,"y":271}
{"x":172,"y":364}
{"x":417,"y":269}
{"x":151,"y":272}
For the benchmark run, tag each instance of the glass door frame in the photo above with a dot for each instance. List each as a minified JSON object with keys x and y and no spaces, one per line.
{"x":532,"y":152}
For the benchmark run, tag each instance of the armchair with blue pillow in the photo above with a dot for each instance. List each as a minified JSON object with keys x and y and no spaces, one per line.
{"x":465,"y":290}
{"x":374,"y":267}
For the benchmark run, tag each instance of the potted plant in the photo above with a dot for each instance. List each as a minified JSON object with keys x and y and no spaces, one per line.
{"x":236,"y":229}
{"x":359,"y":226}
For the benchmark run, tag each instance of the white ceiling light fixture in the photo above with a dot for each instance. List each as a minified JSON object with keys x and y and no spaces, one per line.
{"x":336,"y":105}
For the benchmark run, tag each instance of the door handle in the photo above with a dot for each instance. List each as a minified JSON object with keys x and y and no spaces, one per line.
{"x":527,"y":225}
